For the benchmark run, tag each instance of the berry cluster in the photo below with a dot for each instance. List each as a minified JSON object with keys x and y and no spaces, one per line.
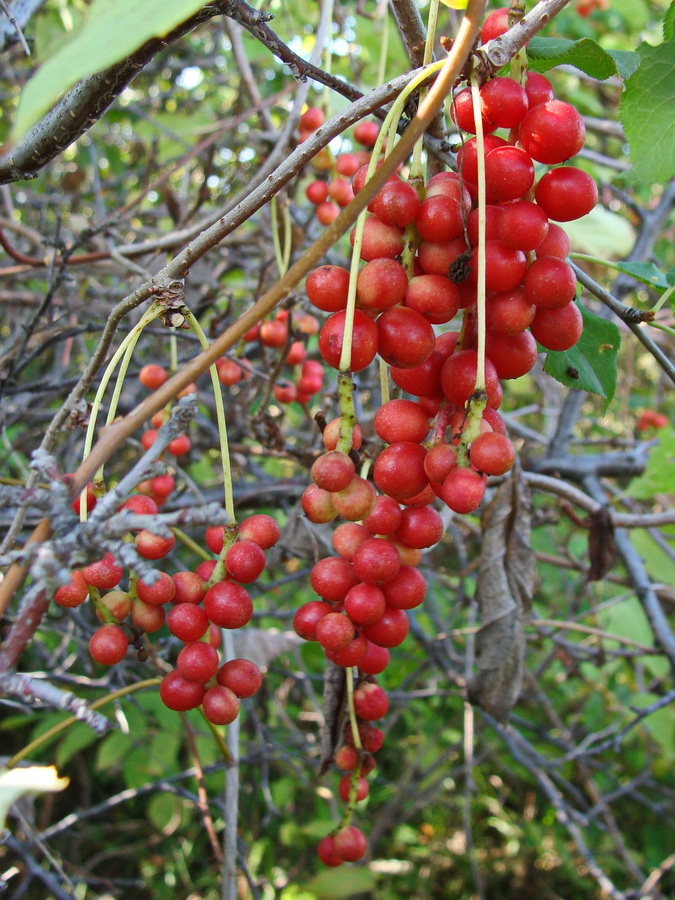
{"x":282,"y":332}
{"x":334,"y":191}
{"x":419,"y":248}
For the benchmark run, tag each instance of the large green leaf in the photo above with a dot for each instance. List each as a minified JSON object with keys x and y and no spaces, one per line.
{"x":646,"y":111}
{"x":657,"y":478}
{"x":591,"y":364}
{"x":545,"y":53}
{"x":112,"y":30}
{"x":352,"y":880}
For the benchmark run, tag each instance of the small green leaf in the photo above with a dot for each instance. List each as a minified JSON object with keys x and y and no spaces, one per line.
{"x":647,"y":273}
{"x":584,"y":54}
{"x":669,"y":23}
{"x":646,"y":112}
{"x":352,"y":880}
{"x":591,"y":364}
{"x":163,"y":809}
{"x":657,"y":478}
{"x":112,"y":30}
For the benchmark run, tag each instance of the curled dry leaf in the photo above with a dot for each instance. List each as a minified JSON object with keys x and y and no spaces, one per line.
{"x":263,"y":645}
{"x":504,"y":594}
{"x":334,"y":698}
{"x":601,"y":544}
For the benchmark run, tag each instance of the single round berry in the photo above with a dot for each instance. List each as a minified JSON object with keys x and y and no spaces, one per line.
{"x":108,"y":645}
{"x":241,"y":676}
{"x":227,"y":605}
{"x":492,"y":453}
{"x":220,"y":705}
{"x":179,"y":694}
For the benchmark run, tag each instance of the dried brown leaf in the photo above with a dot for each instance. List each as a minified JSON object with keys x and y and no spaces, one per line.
{"x":334,"y":696}
{"x":504,"y":595}
{"x":601,"y":544}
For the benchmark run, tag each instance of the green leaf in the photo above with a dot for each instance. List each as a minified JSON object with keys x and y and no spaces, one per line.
{"x":669,"y":23}
{"x":601,"y":233}
{"x":647,"y":273}
{"x":112,"y":30}
{"x":646,"y":112}
{"x":352,"y":880}
{"x":163,"y":810}
{"x":545,"y":53}
{"x":591,"y":364}
{"x":77,"y":737}
{"x":657,"y":478}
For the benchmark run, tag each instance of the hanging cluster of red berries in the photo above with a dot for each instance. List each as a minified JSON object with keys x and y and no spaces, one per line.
{"x":334,"y":191}
{"x":420,"y":269}
{"x":199,"y":602}
{"x":276,"y":333}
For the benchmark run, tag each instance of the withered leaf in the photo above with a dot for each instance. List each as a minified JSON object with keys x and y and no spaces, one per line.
{"x":601,"y":544}
{"x":334,"y":698}
{"x":504,"y":595}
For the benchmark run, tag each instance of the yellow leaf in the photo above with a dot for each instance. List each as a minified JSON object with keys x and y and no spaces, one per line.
{"x":456,"y":4}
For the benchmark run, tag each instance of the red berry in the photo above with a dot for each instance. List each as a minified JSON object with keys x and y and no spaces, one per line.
{"x":179,"y":694}
{"x":245,"y":561}
{"x":198,"y":661}
{"x":152,"y":376}
{"x":241,"y":676}
{"x":228,"y":605}
{"x":187,"y":621}
{"x":74,"y":593}
{"x":350,"y":843}
{"x":108,"y":645}
{"x":220,"y":705}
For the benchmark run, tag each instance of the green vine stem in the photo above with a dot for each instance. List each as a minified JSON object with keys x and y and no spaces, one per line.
{"x":282,"y":254}
{"x":349,"y":673}
{"x":220,"y":418}
{"x":480,"y":287}
{"x":71,"y":720}
{"x":416,"y":167}
{"x":124,"y":352}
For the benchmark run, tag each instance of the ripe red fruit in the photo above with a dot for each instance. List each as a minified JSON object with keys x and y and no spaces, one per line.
{"x":467,"y":156}
{"x":347,"y":537}
{"x":463,"y":490}
{"x":326,"y":852}
{"x":552,"y":132}
{"x":390,"y":630}
{"x":334,"y":631}
{"x":523,"y":225}
{"x":458,"y":376}
{"x":90,"y":501}
{"x":344,"y":788}
{"x":566,"y":193}
{"x":228,"y":605}
{"x":385,"y":516}
{"x":420,"y":527}
{"x":187,"y":621}
{"x":512,"y":355}
{"x":538,"y":89}
{"x":189,"y":587}
{"x":365,"y":338}
{"x":434,"y":296}
{"x":147,"y":618}
{"x":141,"y":505}
{"x":152,"y":376}
{"x":108,"y":645}
{"x":311,"y":119}
{"x":423,"y":380}
{"x":74,"y":592}
{"x":396,"y":204}
{"x":153,"y":546}
{"x":406,"y":338}
{"x":381,"y":283}
{"x":366,"y":133}
{"x":261,"y":529}
{"x":229,"y":372}
{"x":327,"y":288}
{"x":179,"y":694}
{"x":492,"y":453}
{"x":439,"y":219}
{"x":558,"y":329}
{"x":401,"y":420}
{"x":510,"y":312}
{"x":241,"y":676}
{"x":357,"y":501}
{"x":327,"y":212}
{"x":399,"y":470}
{"x":318,"y":505}
{"x":407,"y":590}
{"x":307,"y":617}
{"x":509,"y":174}
{"x":333,"y":471}
{"x":505,"y":267}
{"x":163,"y":590}
{"x":350,"y":843}
{"x":365,"y":604}
{"x":495,"y":24}
{"x":316,"y":192}
{"x":198,"y":661}
{"x":104,"y":574}
{"x":376,"y":561}
{"x":462,"y":114}
{"x":504,"y":101}
{"x":379,"y":240}
{"x":370,"y":701}
{"x":220,"y":705}
{"x":375,"y":660}
{"x":332,"y":577}
{"x":550,"y":283}
{"x":245,"y":561}
{"x":556,"y":242}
